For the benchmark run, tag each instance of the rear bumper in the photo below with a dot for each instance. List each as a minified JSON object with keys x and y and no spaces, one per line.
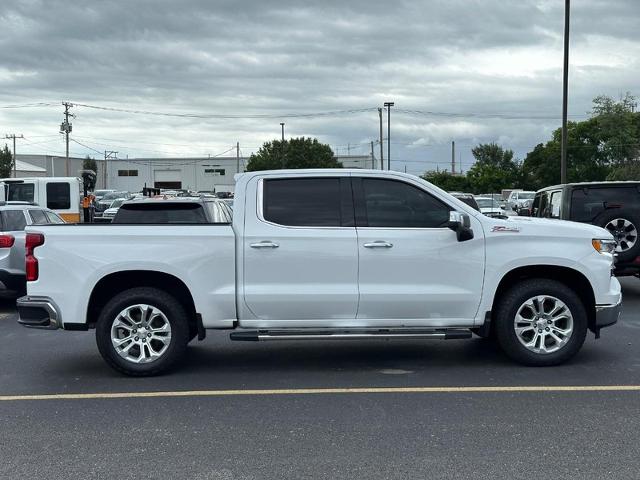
{"x":38,"y":312}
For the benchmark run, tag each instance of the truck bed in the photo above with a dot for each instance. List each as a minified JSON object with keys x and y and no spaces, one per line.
{"x":202,"y":256}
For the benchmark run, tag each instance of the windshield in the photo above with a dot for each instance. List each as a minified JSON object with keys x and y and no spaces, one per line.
{"x":526,"y":195}
{"x":117,"y":203}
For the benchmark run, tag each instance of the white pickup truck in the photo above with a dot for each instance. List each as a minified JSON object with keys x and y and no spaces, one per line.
{"x":325,"y":254}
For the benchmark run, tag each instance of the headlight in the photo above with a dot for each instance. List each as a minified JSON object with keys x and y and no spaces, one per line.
{"x":604,"y":246}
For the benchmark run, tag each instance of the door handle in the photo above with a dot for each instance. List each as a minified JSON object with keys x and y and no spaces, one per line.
{"x":265,"y":244}
{"x":378,"y":244}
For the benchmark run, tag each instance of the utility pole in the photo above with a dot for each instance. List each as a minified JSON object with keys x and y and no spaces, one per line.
{"x":107,"y":155}
{"x":282,"y":145}
{"x":565,"y":92}
{"x":237,"y":157}
{"x":381,"y":141}
{"x":453,"y":157}
{"x":388,"y":105}
{"x":373,"y":159}
{"x":14,"y":136}
{"x":66,"y":128}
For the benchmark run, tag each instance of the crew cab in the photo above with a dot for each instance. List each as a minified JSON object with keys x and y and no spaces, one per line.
{"x":325,"y":254}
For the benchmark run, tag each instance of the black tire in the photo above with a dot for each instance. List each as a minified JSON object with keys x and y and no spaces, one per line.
{"x":602,"y":220}
{"x":175,"y":315}
{"x":507,"y":309}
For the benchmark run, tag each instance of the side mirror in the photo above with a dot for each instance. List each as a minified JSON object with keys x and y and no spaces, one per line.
{"x":461,"y":224}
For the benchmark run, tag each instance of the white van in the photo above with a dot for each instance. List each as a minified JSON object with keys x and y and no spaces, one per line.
{"x":60,"y":194}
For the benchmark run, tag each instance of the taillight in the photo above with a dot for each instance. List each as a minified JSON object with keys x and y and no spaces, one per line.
{"x":7,"y":241}
{"x":32,"y":240}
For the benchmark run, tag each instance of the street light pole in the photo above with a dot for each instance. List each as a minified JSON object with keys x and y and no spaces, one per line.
{"x":565,"y":90}
{"x":388,"y":106}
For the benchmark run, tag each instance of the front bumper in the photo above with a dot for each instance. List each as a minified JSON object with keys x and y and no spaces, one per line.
{"x":607,"y":314}
{"x":38,"y":312}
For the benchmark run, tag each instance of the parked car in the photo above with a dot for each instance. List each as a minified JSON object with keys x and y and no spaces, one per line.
{"x":106,"y":201}
{"x":110,"y":212}
{"x":98,"y":194}
{"x":516,"y":200}
{"x":614,"y":206}
{"x":490,"y":207}
{"x":173,"y":210}
{"x":14,"y":217}
{"x":325,"y":254}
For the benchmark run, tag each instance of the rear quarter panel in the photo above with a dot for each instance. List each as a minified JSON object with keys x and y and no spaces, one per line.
{"x":74,"y":258}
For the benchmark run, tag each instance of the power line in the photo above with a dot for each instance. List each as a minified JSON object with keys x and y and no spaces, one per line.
{"x":28,"y":105}
{"x":504,"y":116}
{"x":226,"y":116}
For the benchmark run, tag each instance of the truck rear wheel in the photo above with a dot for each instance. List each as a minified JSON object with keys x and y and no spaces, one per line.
{"x":541,"y":322}
{"x":142,"y":331}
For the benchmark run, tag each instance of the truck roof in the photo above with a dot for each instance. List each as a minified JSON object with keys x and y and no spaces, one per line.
{"x":591,"y":184}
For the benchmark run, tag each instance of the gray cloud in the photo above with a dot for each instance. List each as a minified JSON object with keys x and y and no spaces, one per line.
{"x":240,"y":57}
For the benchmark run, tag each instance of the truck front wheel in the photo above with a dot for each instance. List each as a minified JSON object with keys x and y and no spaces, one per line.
{"x":142,"y":331}
{"x":541,"y":322}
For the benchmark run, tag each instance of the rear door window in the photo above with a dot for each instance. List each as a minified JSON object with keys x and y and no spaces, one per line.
{"x":303,"y":202}
{"x":555,"y":204}
{"x":13,"y":220}
{"x":58,"y":195}
{"x":53,"y":217}
{"x":588,"y":203}
{"x":38,"y":217}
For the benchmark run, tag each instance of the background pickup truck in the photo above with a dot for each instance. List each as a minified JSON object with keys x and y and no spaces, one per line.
{"x":325,"y":254}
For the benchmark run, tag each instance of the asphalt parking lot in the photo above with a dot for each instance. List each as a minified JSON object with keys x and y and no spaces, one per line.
{"x":284,"y":410}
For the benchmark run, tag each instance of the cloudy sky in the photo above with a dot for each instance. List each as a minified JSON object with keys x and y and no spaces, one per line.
{"x":463,"y":70}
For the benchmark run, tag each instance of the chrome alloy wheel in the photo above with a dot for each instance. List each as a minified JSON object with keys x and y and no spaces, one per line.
{"x":141,"y":333}
{"x":543,"y":324}
{"x":624,"y":233}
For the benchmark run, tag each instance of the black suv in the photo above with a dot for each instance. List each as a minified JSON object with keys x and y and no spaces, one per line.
{"x":614,"y":206}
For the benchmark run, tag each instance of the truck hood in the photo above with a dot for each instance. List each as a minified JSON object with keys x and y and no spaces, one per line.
{"x":546,"y":227}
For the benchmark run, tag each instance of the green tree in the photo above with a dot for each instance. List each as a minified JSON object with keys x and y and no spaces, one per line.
{"x":493,"y":170}
{"x":6,"y":162}
{"x":89,"y":164}
{"x":294,"y":153}
{"x":448,"y":182}
{"x":605,"y":146}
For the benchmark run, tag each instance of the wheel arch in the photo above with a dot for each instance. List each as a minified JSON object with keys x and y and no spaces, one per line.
{"x":112,"y":284}
{"x":570,"y":277}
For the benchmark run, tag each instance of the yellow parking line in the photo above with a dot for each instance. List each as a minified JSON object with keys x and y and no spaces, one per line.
{"x":316,"y":391}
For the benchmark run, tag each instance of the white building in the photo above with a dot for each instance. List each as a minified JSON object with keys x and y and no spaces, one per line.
{"x":192,"y":173}
{"x":24,"y":169}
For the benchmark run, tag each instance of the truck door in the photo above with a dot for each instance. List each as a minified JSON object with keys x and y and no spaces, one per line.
{"x":413,"y":271}
{"x":300,"y":251}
